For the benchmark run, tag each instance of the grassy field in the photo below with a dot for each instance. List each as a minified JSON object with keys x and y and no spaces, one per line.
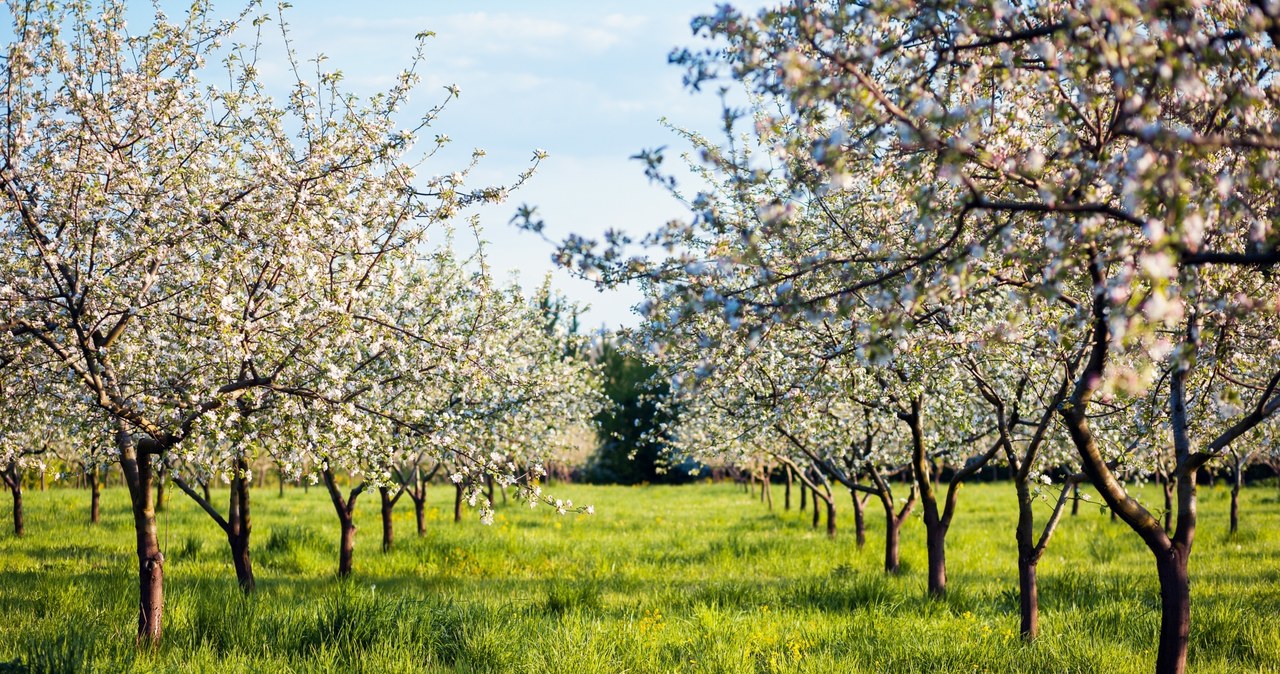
{"x":698,"y":579}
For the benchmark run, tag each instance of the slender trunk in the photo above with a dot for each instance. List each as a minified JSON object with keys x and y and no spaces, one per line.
{"x":161,"y":474}
{"x":768,"y":490}
{"x":346,"y":547}
{"x":139,"y":478}
{"x":488,"y":480}
{"x":891,"y":530}
{"x":239,"y":526}
{"x":19,"y":527}
{"x":345,"y":509}
{"x":1028,"y":592}
{"x":817,"y":514}
{"x":419,"y":513}
{"x":95,"y":495}
{"x":1175,"y":611}
{"x":457,"y":503}
{"x":935,"y":529}
{"x":892,"y":523}
{"x":1235,"y":499}
{"x":804,"y":496}
{"x":387,"y":506}
{"x":1028,"y":597}
{"x":786,"y":494}
{"x":43,"y":485}
{"x":1075,"y":499}
{"x":831,"y":517}
{"x":936,"y":544}
{"x":859,"y":519}
{"x":280,"y":474}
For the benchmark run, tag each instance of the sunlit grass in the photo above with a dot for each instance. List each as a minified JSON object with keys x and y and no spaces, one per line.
{"x":699,"y":579}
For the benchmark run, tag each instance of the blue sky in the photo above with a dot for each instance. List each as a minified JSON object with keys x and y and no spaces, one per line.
{"x":585,"y":81}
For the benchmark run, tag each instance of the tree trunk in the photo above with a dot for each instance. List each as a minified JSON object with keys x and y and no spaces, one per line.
{"x":935,"y":529}
{"x":1024,"y":533}
{"x":817,"y":514}
{"x":457,"y":503}
{"x":1168,"y":486}
{"x":419,"y":514}
{"x":161,"y":474}
{"x":859,"y":520}
{"x":891,"y":531}
{"x":244,"y":566}
{"x":768,"y":490}
{"x":346,"y":547}
{"x":239,"y":526}
{"x":43,"y":480}
{"x":831,"y":517}
{"x":786,"y":494}
{"x":345,"y":509}
{"x":1175,"y":611}
{"x":95,"y":495}
{"x":488,"y":481}
{"x":936,"y":543}
{"x":1236,"y":479}
{"x":15,"y":487}
{"x":387,"y":506}
{"x":138,"y":476}
{"x":1075,"y":499}
{"x":803,"y":497}
{"x":1028,"y":597}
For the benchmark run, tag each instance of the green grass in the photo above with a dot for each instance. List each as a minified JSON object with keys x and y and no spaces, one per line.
{"x":697,"y":579}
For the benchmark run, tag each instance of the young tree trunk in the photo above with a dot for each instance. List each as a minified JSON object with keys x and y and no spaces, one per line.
{"x":1028,"y":591}
{"x":43,"y":485}
{"x":859,"y":519}
{"x":786,"y":494}
{"x":488,"y":481}
{"x":457,"y":503}
{"x":15,"y":488}
{"x":803,"y":497}
{"x":831,"y":517}
{"x":1236,"y":480}
{"x":891,"y":546}
{"x":1175,"y":610}
{"x":160,"y":475}
{"x":239,"y":526}
{"x":419,"y":513}
{"x":1028,"y":597}
{"x":817,"y":514}
{"x":346,"y":547}
{"x":95,"y":495}
{"x":892,"y":522}
{"x":936,"y":545}
{"x":387,"y":505}
{"x":137,"y":471}
{"x":345,"y":509}
{"x":768,"y":489}
{"x":1075,"y":499}
{"x":934,"y":527}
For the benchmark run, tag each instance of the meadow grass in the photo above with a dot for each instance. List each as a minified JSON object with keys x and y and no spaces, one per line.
{"x":699,"y":578}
